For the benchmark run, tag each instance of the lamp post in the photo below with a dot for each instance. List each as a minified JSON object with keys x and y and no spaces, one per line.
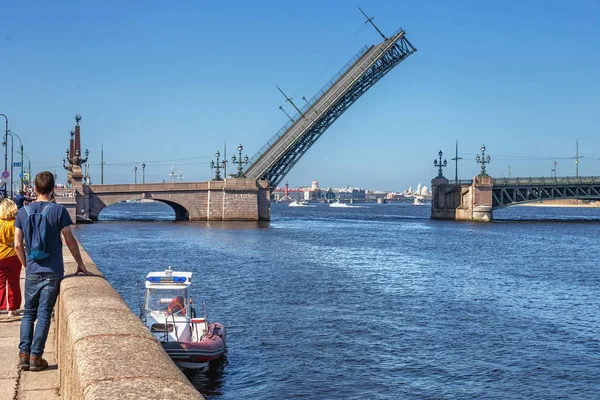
{"x":439,"y":165}
{"x":288,"y":115}
{"x":135,"y":174}
{"x":217,"y":167}
{"x":12,"y":135}
{"x":143,"y":172}
{"x":239,"y":161}
{"x":5,"y":144}
{"x":21,"y":186}
{"x":5,"y":149}
{"x":12,"y":140}
{"x":483,"y":160}
{"x":554,"y":170}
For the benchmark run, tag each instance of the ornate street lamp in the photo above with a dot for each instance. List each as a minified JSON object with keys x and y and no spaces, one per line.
{"x":439,"y":165}
{"x":135,"y":174}
{"x":77,"y":160}
{"x":143,"y":172}
{"x":239,"y":161}
{"x":217,"y":166}
{"x":483,"y":160}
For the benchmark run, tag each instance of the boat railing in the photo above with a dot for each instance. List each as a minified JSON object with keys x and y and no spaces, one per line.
{"x":175,"y":323}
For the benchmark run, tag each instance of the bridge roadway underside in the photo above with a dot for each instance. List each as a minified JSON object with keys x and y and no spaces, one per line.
{"x":234,"y":199}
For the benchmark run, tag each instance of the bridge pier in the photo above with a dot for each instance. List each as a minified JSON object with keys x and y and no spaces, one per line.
{"x":462,"y":201}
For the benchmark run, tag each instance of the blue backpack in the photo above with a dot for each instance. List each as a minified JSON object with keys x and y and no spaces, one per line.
{"x":35,"y":232}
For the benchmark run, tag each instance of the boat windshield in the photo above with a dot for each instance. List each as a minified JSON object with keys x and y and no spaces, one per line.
{"x":168,"y":301}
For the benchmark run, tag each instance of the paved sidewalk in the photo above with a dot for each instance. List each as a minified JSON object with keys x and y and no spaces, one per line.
{"x":23,"y":385}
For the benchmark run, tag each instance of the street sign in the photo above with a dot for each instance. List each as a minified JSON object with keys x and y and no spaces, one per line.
{"x":5,"y":174}
{"x":26,"y":176}
{"x":17,"y":164}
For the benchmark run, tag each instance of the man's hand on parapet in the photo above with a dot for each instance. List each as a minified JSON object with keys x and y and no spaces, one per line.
{"x":81,"y":268}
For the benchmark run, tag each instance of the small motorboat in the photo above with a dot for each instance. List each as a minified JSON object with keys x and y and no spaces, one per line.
{"x":297,"y":203}
{"x":168,"y":312}
{"x":338,"y":204}
{"x":342,"y":205}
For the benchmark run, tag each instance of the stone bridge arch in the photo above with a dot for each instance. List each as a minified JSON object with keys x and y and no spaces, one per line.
{"x":98,"y":202}
{"x":234,"y":199}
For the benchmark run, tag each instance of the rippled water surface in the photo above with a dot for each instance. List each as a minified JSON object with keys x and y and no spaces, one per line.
{"x":379,"y":301}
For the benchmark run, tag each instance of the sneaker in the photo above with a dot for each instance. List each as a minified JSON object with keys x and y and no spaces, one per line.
{"x":24,"y":361}
{"x":37,"y":363}
{"x":14,"y":313}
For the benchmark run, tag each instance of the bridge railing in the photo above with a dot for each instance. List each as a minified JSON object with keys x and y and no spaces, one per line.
{"x":461,"y":182}
{"x":533,"y":181}
{"x":308,"y":104}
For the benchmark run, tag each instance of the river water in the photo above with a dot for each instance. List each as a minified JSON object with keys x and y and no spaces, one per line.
{"x":379,"y":301}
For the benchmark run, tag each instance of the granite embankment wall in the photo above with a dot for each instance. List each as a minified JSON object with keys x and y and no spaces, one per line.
{"x":103,"y":350}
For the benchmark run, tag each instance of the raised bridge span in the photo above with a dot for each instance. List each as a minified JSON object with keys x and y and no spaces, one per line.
{"x":276,"y":158}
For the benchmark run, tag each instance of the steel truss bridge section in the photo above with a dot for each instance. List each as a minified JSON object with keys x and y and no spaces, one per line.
{"x":277,"y":158}
{"x":506,"y":192}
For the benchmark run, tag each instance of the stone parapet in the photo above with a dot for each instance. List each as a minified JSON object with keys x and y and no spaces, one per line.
{"x":70,"y":203}
{"x":103,"y":350}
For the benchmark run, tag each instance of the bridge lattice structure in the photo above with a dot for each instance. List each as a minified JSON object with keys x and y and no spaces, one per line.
{"x":510,"y":191}
{"x":276,"y":158}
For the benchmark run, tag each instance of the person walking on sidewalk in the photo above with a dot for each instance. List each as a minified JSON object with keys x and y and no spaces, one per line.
{"x":39,"y":226}
{"x":10,"y":266}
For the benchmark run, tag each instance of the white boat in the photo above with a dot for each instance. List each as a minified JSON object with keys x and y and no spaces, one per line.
{"x":342,"y":205}
{"x":191,"y":341}
{"x":297,"y":203}
{"x":338,"y":204}
{"x":418,"y":201}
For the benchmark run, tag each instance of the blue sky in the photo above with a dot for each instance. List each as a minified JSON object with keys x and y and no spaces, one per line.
{"x":175,"y":80}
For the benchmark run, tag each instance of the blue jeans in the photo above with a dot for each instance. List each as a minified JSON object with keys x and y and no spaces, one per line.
{"x":41,"y":291}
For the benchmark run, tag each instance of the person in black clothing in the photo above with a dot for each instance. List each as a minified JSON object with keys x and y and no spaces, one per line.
{"x":20,"y":199}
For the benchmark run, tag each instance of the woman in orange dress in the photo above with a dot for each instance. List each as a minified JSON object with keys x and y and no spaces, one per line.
{"x":10,"y":266}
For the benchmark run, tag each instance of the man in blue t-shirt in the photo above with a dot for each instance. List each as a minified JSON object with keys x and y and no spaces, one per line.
{"x":43,"y":277}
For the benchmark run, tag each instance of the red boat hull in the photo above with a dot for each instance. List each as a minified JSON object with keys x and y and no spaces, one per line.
{"x":210,"y":347}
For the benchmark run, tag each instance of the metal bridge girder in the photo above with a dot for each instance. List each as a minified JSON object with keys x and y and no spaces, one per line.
{"x":283,"y":162}
{"x":523,"y":191}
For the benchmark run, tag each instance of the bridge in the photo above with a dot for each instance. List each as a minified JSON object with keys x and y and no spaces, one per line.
{"x":477,"y":199}
{"x":245,"y":198}
{"x":234,"y":199}
{"x":276,"y":158}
